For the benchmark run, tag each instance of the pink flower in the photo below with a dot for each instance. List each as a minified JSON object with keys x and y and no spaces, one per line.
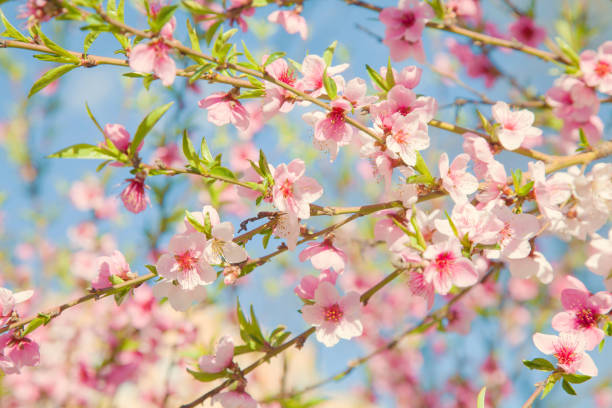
{"x":455,"y":179}
{"x":331,"y":131}
{"x":8,"y":301}
{"x":355,"y":92}
{"x":238,"y":9}
{"x":552,"y":192}
{"x":291,"y":21}
{"x":134,"y":196}
{"x":113,"y":265}
{"x":292,"y":191}
{"x":583,"y":313}
{"x":288,"y":227}
{"x":87,"y":194}
{"x":535,"y":264}
{"x":169,"y":155}
{"x":600,"y":259}
{"x":279,"y":99}
{"x":596,"y":67}
{"x":222,"y":359}
{"x":313,"y":67}
{"x":525,"y":31}
{"x":517,"y":231}
{"x":335,"y":317}
{"x":180,"y":299}
{"x":153,"y":57}
{"x":514,"y":126}
{"x":480,"y":152}
{"x":404,"y":27}
{"x":221,"y":247}
{"x":481,"y":226}
{"x":409,"y":77}
{"x":309,"y":284}
{"x":448,"y":267}
{"x":240,"y":154}
{"x":186,"y":261}
{"x":419,"y":286}
{"x":572,"y":99}
{"x":468,"y":9}
{"x":408,"y":135}
{"x":17,"y":352}
{"x":235,"y":399}
{"x":118,"y":135}
{"x":569,"y":349}
{"x":324,"y":255}
{"x":39,"y":11}
{"x":223,"y":108}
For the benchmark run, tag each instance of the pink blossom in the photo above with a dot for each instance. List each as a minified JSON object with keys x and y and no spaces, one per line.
{"x":514,"y":126}
{"x":292,"y":191}
{"x":313,"y":67}
{"x":153,"y":57}
{"x":535,"y":264}
{"x":222,"y":359}
{"x":17,"y":352}
{"x":404,"y":28}
{"x":113,"y":265}
{"x":324,"y":255}
{"x":495,"y":185}
{"x":527,"y":32}
{"x":86,"y":195}
{"x":39,"y":11}
{"x":448,"y":267}
{"x":331,"y":131}
{"x":291,"y":21}
{"x":256,"y":120}
{"x":480,"y":152}
{"x":583,"y":313}
{"x":279,"y":99}
{"x":235,"y":399}
{"x":309,"y":283}
{"x":596,"y":67}
{"x":600,"y":259}
{"x":237,"y":9}
{"x":335,"y":317}
{"x":169,"y":155}
{"x":419,"y":286}
{"x":180,"y":299}
{"x":224,"y":108}
{"x":572,"y":99}
{"x":551,"y":192}
{"x":569,"y":349}
{"x":517,"y":231}
{"x":134,"y":196}
{"x":240,"y":154}
{"x":355,"y":92}
{"x":409,"y":77}
{"x":186,"y":261}
{"x":8,"y":301}
{"x":408,"y":135}
{"x":467,"y":9}
{"x":570,"y":133}
{"x":288,"y":227}
{"x":118,"y":135}
{"x":455,"y":179}
{"x":481,"y":226}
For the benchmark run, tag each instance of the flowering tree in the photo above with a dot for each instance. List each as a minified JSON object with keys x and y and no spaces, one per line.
{"x":454,"y":239}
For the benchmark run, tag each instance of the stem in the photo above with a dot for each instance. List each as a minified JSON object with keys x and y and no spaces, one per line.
{"x":539,"y":388}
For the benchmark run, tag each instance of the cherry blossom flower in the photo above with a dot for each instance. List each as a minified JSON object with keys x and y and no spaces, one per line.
{"x":86,"y":194}
{"x":419,"y":286}
{"x":495,"y":185}
{"x":309,"y":283}
{"x":235,"y":399}
{"x":517,"y":231}
{"x":596,"y":67}
{"x":331,"y":131}
{"x":224,"y":108}
{"x":467,"y":9}
{"x":572,"y":99}
{"x":113,"y":265}
{"x":408,"y":135}
{"x":313,"y":67}
{"x":118,"y":135}
{"x":481,"y":226}
{"x":535,"y":264}
{"x":277,"y":98}
{"x":240,"y":154}
{"x":569,"y":349}
{"x":291,"y":21}
{"x":293,"y":192}
{"x":527,"y":32}
{"x":8,"y":301}
{"x":600,"y":259}
{"x":222,"y":359}
{"x":479,"y":151}
{"x":39,"y":11}
{"x":404,"y":28}
{"x":186,"y":261}
{"x":134,"y":196}
{"x":17,"y":352}
{"x":514,"y":126}
{"x":455,"y":179}
{"x":324,"y":255}
{"x":448,"y":267}
{"x":153,"y":57}
{"x":583,"y":313}
{"x":169,"y":155}
{"x":180,"y":299}
{"x":355,"y":92}
{"x":237,"y":9}
{"x":335,"y":317}
{"x":221,"y":247}
{"x":550,"y":192}
{"x":288,"y":227}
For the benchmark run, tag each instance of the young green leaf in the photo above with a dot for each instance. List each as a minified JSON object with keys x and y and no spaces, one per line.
{"x":481,"y":398}
{"x":193,"y":37}
{"x":89,"y":39}
{"x":273,"y":57}
{"x":146,"y":125}
{"x":330,"y":86}
{"x":389,"y":78}
{"x":376,"y":78}
{"x":83,"y":151}
{"x":576,"y":378}
{"x":328,"y":54}
{"x":568,"y":388}
{"x":207,"y":377}
{"x":539,"y":364}
{"x":11,"y":31}
{"x":50,"y":76}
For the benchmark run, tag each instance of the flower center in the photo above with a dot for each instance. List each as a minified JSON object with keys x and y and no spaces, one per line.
{"x":444,"y":261}
{"x":586,"y":317}
{"x":400,"y":137}
{"x":602,"y":68}
{"x":408,"y":19}
{"x":565,"y":355}
{"x":333,"y":313}
{"x":404,"y":110}
{"x":336,"y":116}
{"x":527,"y":32}
{"x":186,"y":261}
{"x":506,"y":234}
{"x":286,"y":189}
{"x":287,"y":77}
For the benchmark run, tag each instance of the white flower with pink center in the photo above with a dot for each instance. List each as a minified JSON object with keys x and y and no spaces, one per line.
{"x":551,"y":192}
{"x":404,"y":28}
{"x":583,"y":312}
{"x":309,"y":284}
{"x":447,"y":266}
{"x":331,"y":131}
{"x":455,"y":179}
{"x":186,"y":261}
{"x":324,"y":255}
{"x":515,"y":126}
{"x":180,"y":299}
{"x":335,"y":317}
{"x":517,"y":231}
{"x":569,"y":349}
{"x":596,"y":67}
{"x":293,"y":192}
{"x":600,"y":259}
{"x":221,"y":359}
{"x":408,"y":135}
{"x":313,"y":67}
{"x":535,"y":264}
{"x":8,"y":301}
{"x":571,"y":99}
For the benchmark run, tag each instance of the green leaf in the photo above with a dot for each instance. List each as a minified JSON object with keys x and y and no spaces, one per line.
{"x":576,"y":378}
{"x":549,"y":386}
{"x":56,"y":48}
{"x":539,"y":364}
{"x":146,"y":125}
{"x":376,"y":78}
{"x":193,"y":37}
{"x":389,"y":78}
{"x":273,"y":57}
{"x":568,"y":388}
{"x":11,"y":31}
{"x":207,"y":377}
{"x":437,"y":7}
{"x":421,"y":166}
{"x":486,"y":124}
{"x":524,"y":190}
{"x":223,"y":172}
{"x":453,"y":227}
{"x":189,"y":150}
{"x":248,"y":55}
{"x":83,"y":151}
{"x":608,"y":328}
{"x":264,"y":167}
{"x":163,"y":16}
{"x":210,"y":33}
{"x":517,"y":179}
{"x":330,"y":86}
{"x":152,"y":269}
{"x":205,"y":152}
{"x":196,"y":224}
{"x":568,"y":51}
{"x":481,"y":398}
{"x":91,"y":116}
{"x":38,"y":321}
{"x":328,"y":54}
{"x":89,"y":39}
{"x":50,"y":76}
